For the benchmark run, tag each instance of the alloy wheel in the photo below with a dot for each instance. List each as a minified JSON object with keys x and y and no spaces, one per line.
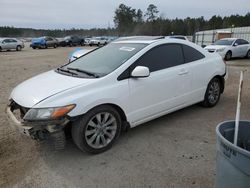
{"x":101,"y":130}
{"x":214,"y":92}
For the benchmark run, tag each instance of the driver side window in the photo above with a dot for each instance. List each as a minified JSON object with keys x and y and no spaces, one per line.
{"x":237,"y":42}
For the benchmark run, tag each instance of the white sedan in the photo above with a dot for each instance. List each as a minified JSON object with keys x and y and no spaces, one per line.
{"x":123,"y":84}
{"x":230,"y":47}
{"x":11,"y":43}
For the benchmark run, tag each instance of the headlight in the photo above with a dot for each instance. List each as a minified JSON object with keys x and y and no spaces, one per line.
{"x":48,"y":113}
{"x":220,"y":50}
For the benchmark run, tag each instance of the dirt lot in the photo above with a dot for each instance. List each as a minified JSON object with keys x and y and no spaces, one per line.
{"x":177,"y":150}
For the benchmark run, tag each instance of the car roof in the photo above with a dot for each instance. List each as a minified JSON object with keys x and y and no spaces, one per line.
{"x":146,"y":39}
{"x":138,"y":39}
{"x":229,"y":39}
{"x":1,"y":39}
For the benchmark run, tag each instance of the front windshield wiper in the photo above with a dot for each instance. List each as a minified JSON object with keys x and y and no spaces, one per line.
{"x":67,"y":71}
{"x":84,"y":71}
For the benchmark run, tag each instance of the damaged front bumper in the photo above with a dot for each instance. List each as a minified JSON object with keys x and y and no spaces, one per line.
{"x":38,"y":130}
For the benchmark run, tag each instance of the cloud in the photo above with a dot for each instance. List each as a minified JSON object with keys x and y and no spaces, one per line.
{"x":96,"y":13}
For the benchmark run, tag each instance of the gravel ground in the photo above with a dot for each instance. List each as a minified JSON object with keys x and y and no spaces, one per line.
{"x":176,"y":150}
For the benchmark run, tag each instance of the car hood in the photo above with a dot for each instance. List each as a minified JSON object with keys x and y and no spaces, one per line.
{"x":215,"y":47}
{"x":43,"y":86}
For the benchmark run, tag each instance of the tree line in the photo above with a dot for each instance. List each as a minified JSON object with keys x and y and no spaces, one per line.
{"x":130,"y":21}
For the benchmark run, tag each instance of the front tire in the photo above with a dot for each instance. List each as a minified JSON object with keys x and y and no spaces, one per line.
{"x":228,"y":56}
{"x":18,"y":48}
{"x":213,"y":92}
{"x":97,"y":130}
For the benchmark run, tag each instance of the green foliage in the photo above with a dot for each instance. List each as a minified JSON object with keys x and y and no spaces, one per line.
{"x":125,"y":18}
{"x":151,"y":13}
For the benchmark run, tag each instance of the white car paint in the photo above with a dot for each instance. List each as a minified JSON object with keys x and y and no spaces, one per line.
{"x":98,"y":41}
{"x":237,"y":50}
{"x":141,"y":99}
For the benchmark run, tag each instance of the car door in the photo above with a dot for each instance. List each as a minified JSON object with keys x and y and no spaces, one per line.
{"x":237,"y":49}
{"x":6,"y":44}
{"x":244,"y":46}
{"x":166,"y":86}
{"x":13,"y":43}
{"x":49,"y":41}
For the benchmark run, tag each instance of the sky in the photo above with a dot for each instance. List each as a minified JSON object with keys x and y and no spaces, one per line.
{"x":86,"y":14}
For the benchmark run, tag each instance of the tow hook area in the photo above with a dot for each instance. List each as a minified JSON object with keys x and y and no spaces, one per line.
{"x":54,"y":134}
{"x":58,"y":140}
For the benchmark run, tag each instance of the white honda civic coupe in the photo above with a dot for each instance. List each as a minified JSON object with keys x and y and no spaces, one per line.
{"x":123,"y":84}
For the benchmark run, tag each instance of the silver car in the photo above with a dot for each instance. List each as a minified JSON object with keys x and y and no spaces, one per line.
{"x":11,"y":43}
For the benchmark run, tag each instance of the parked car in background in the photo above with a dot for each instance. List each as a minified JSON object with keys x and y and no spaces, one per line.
{"x":230,"y":47}
{"x":87,"y":41}
{"x":77,"y":54}
{"x":123,"y":84}
{"x":97,"y":41}
{"x":10,"y":44}
{"x":44,"y":42}
{"x":72,"y":41}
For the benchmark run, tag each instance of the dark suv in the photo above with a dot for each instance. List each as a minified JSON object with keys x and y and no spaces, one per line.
{"x":72,"y":41}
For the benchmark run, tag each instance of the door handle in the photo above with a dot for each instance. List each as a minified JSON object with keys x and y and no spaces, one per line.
{"x":183,"y":72}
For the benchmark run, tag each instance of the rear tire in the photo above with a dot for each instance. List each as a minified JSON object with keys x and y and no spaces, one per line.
{"x":248,"y":54}
{"x":213,"y":92}
{"x":18,"y":48}
{"x":55,"y":45}
{"x":228,"y":56}
{"x":97,"y":130}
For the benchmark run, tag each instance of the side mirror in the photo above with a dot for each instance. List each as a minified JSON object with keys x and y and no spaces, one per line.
{"x":140,"y":72}
{"x":235,"y":44}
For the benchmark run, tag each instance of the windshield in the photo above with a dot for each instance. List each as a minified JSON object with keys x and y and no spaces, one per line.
{"x":224,"y":42}
{"x":106,"y":59}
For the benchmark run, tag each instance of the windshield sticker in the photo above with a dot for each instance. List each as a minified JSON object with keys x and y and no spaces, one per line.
{"x":128,"y":49}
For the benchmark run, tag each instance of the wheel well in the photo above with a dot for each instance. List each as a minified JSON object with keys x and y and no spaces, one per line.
{"x":125,"y":123}
{"x":222,"y":82}
{"x":230,"y":51}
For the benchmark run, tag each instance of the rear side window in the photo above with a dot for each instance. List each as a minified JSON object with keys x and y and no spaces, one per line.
{"x":191,"y":54}
{"x":244,"y":41}
{"x":161,"y":57}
